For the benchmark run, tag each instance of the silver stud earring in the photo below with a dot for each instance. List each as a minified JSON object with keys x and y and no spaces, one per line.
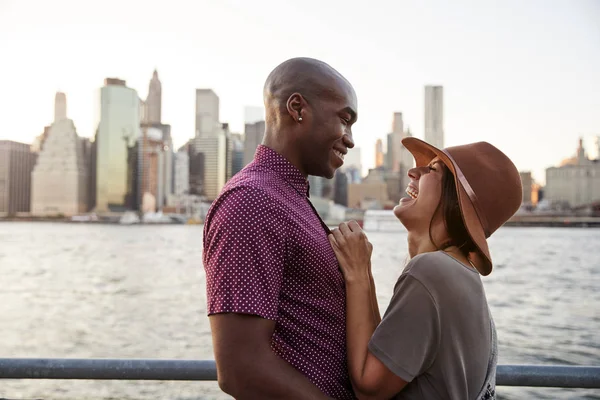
{"x":299,"y":119}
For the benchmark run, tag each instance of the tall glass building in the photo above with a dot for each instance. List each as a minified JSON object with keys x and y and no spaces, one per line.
{"x":118,"y":131}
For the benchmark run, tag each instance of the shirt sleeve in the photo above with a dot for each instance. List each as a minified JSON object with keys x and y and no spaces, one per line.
{"x":244,"y":254}
{"x":407,"y":339}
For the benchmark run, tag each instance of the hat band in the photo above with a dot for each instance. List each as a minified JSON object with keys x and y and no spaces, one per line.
{"x":471,"y":193}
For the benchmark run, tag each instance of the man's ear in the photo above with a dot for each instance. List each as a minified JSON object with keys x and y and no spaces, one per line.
{"x":295,"y":106}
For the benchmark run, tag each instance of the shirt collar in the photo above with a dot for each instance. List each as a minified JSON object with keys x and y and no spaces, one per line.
{"x":278,"y":163}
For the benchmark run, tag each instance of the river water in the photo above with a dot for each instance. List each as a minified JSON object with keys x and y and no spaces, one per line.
{"x":110,"y":291}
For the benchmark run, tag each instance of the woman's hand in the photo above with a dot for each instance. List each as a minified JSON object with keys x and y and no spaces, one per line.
{"x":353,"y":251}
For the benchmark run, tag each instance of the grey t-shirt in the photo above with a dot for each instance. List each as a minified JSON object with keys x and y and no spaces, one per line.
{"x":436,"y":332}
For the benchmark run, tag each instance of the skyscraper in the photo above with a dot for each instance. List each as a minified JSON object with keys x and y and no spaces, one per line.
{"x":434,"y":115}
{"x":156,"y":146}
{"x":154,"y":157}
{"x":216,"y":152}
{"x":394,"y":143}
{"x":407,"y":161}
{"x":237,"y":153}
{"x":207,"y":113}
{"x":253,"y":136}
{"x":353,"y":165}
{"x":38,"y":142}
{"x":60,"y":106}
{"x":118,"y":131}
{"x":575,"y":182}
{"x":379,"y":154}
{"x":527,"y":184}
{"x":151,"y":117}
{"x":89,"y":147}
{"x":16,"y":163}
{"x":340,"y":191}
{"x":316,"y":185}
{"x":60,"y":177}
{"x":153,"y":103}
{"x":182,"y":173}
{"x":196,"y":167}
{"x":398,"y":123}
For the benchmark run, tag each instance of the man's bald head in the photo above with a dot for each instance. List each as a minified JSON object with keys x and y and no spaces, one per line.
{"x":310,"y":109}
{"x":313,"y":79}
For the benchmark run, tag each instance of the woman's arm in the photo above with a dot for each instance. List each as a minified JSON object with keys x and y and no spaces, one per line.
{"x":374,"y":304}
{"x":371,"y":378}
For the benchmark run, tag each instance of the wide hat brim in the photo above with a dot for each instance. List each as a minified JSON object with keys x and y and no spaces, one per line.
{"x":423,"y":153}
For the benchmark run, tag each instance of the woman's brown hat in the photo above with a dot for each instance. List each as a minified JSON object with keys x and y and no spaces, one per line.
{"x":488,"y":186}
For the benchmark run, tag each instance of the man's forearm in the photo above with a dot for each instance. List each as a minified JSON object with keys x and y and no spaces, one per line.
{"x":268,"y":376}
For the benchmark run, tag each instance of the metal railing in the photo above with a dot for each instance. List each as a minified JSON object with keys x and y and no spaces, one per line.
{"x":562,"y":376}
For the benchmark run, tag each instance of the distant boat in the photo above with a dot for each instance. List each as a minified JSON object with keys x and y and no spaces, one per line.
{"x":129,"y":218}
{"x":157,"y":218}
{"x":382,"y":221}
{"x":85,"y":218}
{"x":178,"y":219}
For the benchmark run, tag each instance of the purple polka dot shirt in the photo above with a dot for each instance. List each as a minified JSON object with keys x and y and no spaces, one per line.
{"x":266,"y":253}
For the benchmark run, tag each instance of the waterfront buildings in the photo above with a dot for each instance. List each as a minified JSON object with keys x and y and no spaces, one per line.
{"x":394,"y":144}
{"x":60,"y":177}
{"x":153,"y":103}
{"x":434,"y":116}
{"x":527,"y":183}
{"x":253,"y":136}
{"x":182,"y":173}
{"x":575,"y":182}
{"x":379,"y":154}
{"x":154,"y":166}
{"x":118,"y":132}
{"x":207,"y":113}
{"x":214,"y":153}
{"x":16,"y":164}
{"x":398,"y":160}
{"x":237,"y":153}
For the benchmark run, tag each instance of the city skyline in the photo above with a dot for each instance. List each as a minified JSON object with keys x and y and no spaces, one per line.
{"x":521,"y":76}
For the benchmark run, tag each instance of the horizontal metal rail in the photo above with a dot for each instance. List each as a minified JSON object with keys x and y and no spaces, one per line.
{"x":561,"y":376}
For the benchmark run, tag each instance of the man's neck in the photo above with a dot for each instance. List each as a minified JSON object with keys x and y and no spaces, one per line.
{"x":284,"y":148}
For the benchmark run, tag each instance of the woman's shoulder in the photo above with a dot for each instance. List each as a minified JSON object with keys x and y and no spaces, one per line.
{"x":429,"y":261}
{"x":436,"y":266}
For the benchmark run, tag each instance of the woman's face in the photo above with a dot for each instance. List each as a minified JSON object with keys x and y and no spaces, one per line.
{"x":425,"y":191}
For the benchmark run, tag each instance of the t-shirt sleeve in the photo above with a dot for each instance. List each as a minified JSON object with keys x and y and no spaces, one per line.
{"x":407,"y":339}
{"x":244,"y":254}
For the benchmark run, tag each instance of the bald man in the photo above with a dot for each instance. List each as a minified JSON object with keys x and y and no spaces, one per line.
{"x":275,"y":294}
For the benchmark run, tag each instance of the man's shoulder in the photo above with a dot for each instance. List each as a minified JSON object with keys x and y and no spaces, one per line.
{"x":254,"y":181}
{"x":254,"y":176}
{"x":252,"y":191}
{"x":245,"y":204}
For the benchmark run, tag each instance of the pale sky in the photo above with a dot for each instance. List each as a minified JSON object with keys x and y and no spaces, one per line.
{"x":522,"y":75}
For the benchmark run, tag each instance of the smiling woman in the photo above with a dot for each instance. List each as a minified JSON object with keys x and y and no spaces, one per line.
{"x":447,"y":209}
{"x":437,"y":339}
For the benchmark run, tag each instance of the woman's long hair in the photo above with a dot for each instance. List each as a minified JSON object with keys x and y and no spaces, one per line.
{"x":451,"y":216}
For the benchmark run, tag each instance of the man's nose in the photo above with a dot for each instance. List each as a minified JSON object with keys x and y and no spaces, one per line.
{"x":348,"y":141}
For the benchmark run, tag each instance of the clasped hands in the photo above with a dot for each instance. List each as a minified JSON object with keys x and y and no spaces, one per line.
{"x":353,"y":251}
